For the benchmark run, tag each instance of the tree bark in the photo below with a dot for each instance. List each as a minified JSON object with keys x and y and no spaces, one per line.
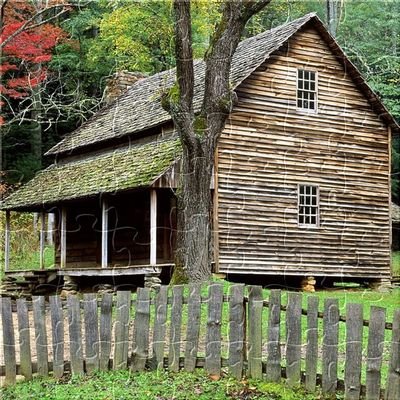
{"x":199,"y":133}
{"x":333,"y":9}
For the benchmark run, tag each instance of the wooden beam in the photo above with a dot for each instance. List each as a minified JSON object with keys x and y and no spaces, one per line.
{"x":153,"y":227}
{"x":104,"y":233}
{"x":42,"y":239}
{"x":63,"y":238}
{"x":7,"y":241}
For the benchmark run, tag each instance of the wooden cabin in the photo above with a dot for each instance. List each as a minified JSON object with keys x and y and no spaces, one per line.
{"x":302,"y":174}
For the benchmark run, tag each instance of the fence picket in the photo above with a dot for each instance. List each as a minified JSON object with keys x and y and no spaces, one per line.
{"x":393,"y":379}
{"x":293,"y":339}
{"x":122,"y":329}
{"x":57,"y":329}
{"x":236,"y":330}
{"x":255,"y":332}
{"x":330,"y":342}
{"x":175,"y":328}
{"x":193,"y":327}
{"x":354,"y":330}
{"x":24,"y":339}
{"x":160,"y":327}
{"x":8,"y":341}
{"x":91,"y":332}
{"x":213,"y":335}
{"x":39,"y":320}
{"x":312,"y":343}
{"x":75,"y":334}
{"x":376,"y":340}
{"x":274,"y":369}
{"x":141,"y":329}
{"x":105,"y":331}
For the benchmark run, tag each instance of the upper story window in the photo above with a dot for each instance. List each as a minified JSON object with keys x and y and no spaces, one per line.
{"x":308,"y":205}
{"x":306,"y":90}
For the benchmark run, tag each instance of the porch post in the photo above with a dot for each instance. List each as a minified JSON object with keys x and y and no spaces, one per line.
{"x":63,"y":239}
{"x":104,"y":233}
{"x":7,"y":241}
{"x":153,"y":227}
{"x":42,"y":239}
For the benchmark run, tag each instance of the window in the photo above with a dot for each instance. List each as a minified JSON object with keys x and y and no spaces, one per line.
{"x":306,"y":90}
{"x":308,"y":205}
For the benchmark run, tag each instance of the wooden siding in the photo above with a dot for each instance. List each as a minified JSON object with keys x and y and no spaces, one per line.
{"x":268,"y":147}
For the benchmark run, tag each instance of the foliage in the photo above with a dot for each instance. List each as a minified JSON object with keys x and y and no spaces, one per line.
{"x":151,"y":385}
{"x":396,"y":264}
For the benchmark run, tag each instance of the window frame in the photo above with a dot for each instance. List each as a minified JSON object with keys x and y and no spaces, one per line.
{"x":317,"y":206}
{"x":302,"y":109}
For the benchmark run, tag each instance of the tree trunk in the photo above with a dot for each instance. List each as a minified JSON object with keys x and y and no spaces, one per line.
{"x":333,"y":8}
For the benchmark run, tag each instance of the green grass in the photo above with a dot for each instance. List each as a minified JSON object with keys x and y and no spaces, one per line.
{"x":150,"y":385}
{"x":396,"y":263}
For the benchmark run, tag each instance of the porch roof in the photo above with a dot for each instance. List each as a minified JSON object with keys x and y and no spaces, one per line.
{"x":127,"y":168}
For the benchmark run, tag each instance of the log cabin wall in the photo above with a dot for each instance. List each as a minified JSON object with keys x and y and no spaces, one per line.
{"x":268,"y":148}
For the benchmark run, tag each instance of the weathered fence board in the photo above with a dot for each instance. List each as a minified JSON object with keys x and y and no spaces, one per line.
{"x":91,"y":332}
{"x":141,"y":329}
{"x":354,"y":330}
{"x":213,"y":335}
{"x":175,"y":328}
{"x":8,"y":341}
{"x":376,"y":340}
{"x":57,"y":329}
{"x":193,"y":327}
{"x":24,"y":339}
{"x":160,"y":327}
{"x":122,"y":329}
{"x":39,"y":320}
{"x":105,"y":330}
{"x":393,"y":380}
{"x":75,"y":335}
{"x":236,"y":330}
{"x":312,"y":343}
{"x":293,"y":339}
{"x":255,"y":332}
{"x":274,"y":369}
{"x":330,"y":340}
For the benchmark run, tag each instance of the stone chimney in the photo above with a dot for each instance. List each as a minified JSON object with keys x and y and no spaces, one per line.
{"x":119,"y":83}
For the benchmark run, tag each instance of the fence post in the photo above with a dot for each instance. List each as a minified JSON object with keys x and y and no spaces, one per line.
{"x":312,"y":343}
{"x":122,"y":329}
{"x":39,"y":319}
{"x":75,"y":334}
{"x":160,"y":327}
{"x":236,"y":330}
{"x":175,"y":333}
{"x":354,"y":329}
{"x":24,"y":339}
{"x":393,"y":379}
{"x":8,"y":341}
{"x":105,"y":330}
{"x":57,"y":326}
{"x":213,"y":335}
{"x":91,"y":332}
{"x":255,"y":307}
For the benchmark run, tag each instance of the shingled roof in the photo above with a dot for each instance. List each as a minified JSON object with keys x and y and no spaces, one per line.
{"x":140,"y":108}
{"x":128,"y":168}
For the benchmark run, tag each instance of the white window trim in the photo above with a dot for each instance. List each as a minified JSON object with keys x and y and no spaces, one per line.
{"x":317,"y":225}
{"x":307,"y":110}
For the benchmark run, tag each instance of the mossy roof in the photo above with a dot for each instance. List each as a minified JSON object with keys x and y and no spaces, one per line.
{"x":122,"y":169}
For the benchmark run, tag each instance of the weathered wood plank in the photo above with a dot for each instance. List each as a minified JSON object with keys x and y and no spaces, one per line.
{"x":105,"y":331}
{"x":57,"y":330}
{"x":122,"y":329}
{"x":330,"y":345}
{"x":175,"y":329}
{"x":193,"y":327}
{"x":24,"y":339}
{"x":236,"y":330}
{"x":255,"y":307}
{"x":91,"y":332}
{"x":141,"y":329}
{"x":376,"y":341}
{"x":312,"y":343}
{"x":393,"y":380}
{"x":75,"y":334}
{"x":354,"y":329}
{"x":160,"y":327}
{"x":293,"y":339}
{"x":213,"y":334}
{"x":8,"y":341}
{"x":273,"y":336}
{"x":39,"y":320}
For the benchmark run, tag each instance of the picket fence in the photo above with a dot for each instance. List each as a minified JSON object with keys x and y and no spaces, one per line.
{"x":179,"y":328}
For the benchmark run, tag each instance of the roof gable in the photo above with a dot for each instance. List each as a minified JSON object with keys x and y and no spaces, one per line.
{"x":140,"y":108}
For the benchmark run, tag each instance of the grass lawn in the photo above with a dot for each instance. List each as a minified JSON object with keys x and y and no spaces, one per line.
{"x":396,"y":263}
{"x":150,"y":385}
